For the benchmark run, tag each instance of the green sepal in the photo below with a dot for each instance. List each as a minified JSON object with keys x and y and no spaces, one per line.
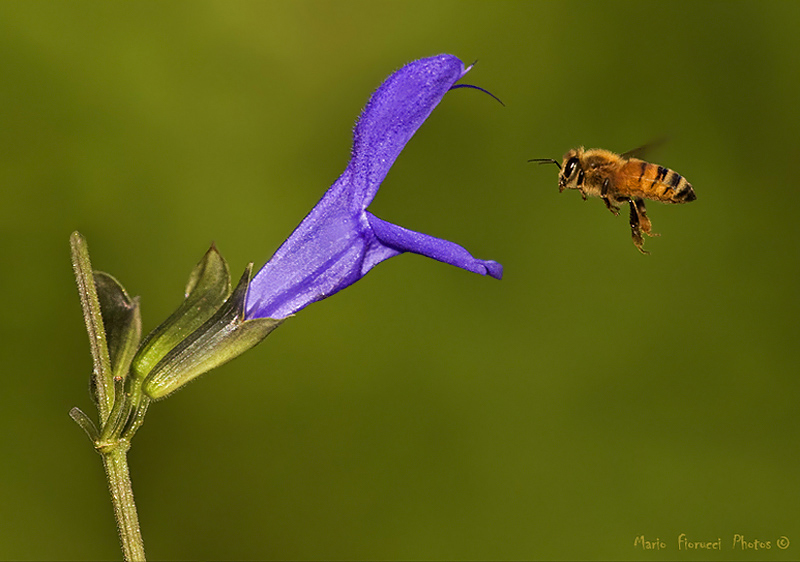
{"x":208,"y":287}
{"x":122,"y":322}
{"x":224,"y":336}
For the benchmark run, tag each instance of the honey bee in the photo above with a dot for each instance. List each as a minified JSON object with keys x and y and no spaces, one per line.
{"x":621,"y":178}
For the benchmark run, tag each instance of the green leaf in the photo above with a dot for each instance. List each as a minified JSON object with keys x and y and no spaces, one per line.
{"x":122,"y":321}
{"x":223,"y":337}
{"x":208,"y":287}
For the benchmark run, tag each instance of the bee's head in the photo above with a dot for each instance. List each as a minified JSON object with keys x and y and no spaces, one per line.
{"x":571,"y":174}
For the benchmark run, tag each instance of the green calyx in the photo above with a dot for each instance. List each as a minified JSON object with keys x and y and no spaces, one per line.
{"x":225,"y":335}
{"x":208,"y":329}
{"x":208,"y":287}
{"x":122,"y":321}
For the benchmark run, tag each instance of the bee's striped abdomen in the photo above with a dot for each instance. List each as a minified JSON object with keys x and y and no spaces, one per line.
{"x":676,"y":187}
{"x":660,"y":183}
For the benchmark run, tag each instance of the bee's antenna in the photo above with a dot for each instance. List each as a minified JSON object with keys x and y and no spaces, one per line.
{"x":545,"y":161}
{"x":478,"y":88}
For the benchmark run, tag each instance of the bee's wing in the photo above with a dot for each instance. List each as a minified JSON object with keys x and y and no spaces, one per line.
{"x":641,"y":151}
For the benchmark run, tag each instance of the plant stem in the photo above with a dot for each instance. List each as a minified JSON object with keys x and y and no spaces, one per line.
{"x":109,"y":395}
{"x":115,"y":462}
{"x":103,"y":387}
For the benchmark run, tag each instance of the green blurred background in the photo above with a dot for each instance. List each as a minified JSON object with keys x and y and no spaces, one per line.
{"x":592,"y":396}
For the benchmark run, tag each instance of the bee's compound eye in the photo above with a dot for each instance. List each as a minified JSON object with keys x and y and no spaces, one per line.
{"x":570,"y":167}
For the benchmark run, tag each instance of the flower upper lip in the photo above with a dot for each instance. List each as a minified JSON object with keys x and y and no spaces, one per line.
{"x":339,"y":241}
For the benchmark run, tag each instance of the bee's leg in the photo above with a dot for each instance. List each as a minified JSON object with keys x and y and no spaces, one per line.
{"x":644,"y":221}
{"x":610,"y":206}
{"x":636,"y":228}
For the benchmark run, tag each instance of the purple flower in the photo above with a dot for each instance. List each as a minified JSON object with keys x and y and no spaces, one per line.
{"x":340,"y":241}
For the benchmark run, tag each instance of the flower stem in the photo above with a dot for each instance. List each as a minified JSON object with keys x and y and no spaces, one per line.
{"x":102,"y":384}
{"x":115,"y":462}
{"x":110,"y":398}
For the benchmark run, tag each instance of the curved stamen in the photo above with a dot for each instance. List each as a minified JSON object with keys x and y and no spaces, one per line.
{"x":477,"y":88}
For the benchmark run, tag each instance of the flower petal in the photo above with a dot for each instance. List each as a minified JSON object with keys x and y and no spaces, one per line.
{"x":322,"y":256}
{"x":393,"y":114}
{"x":403,"y":240}
{"x":335,"y":246}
